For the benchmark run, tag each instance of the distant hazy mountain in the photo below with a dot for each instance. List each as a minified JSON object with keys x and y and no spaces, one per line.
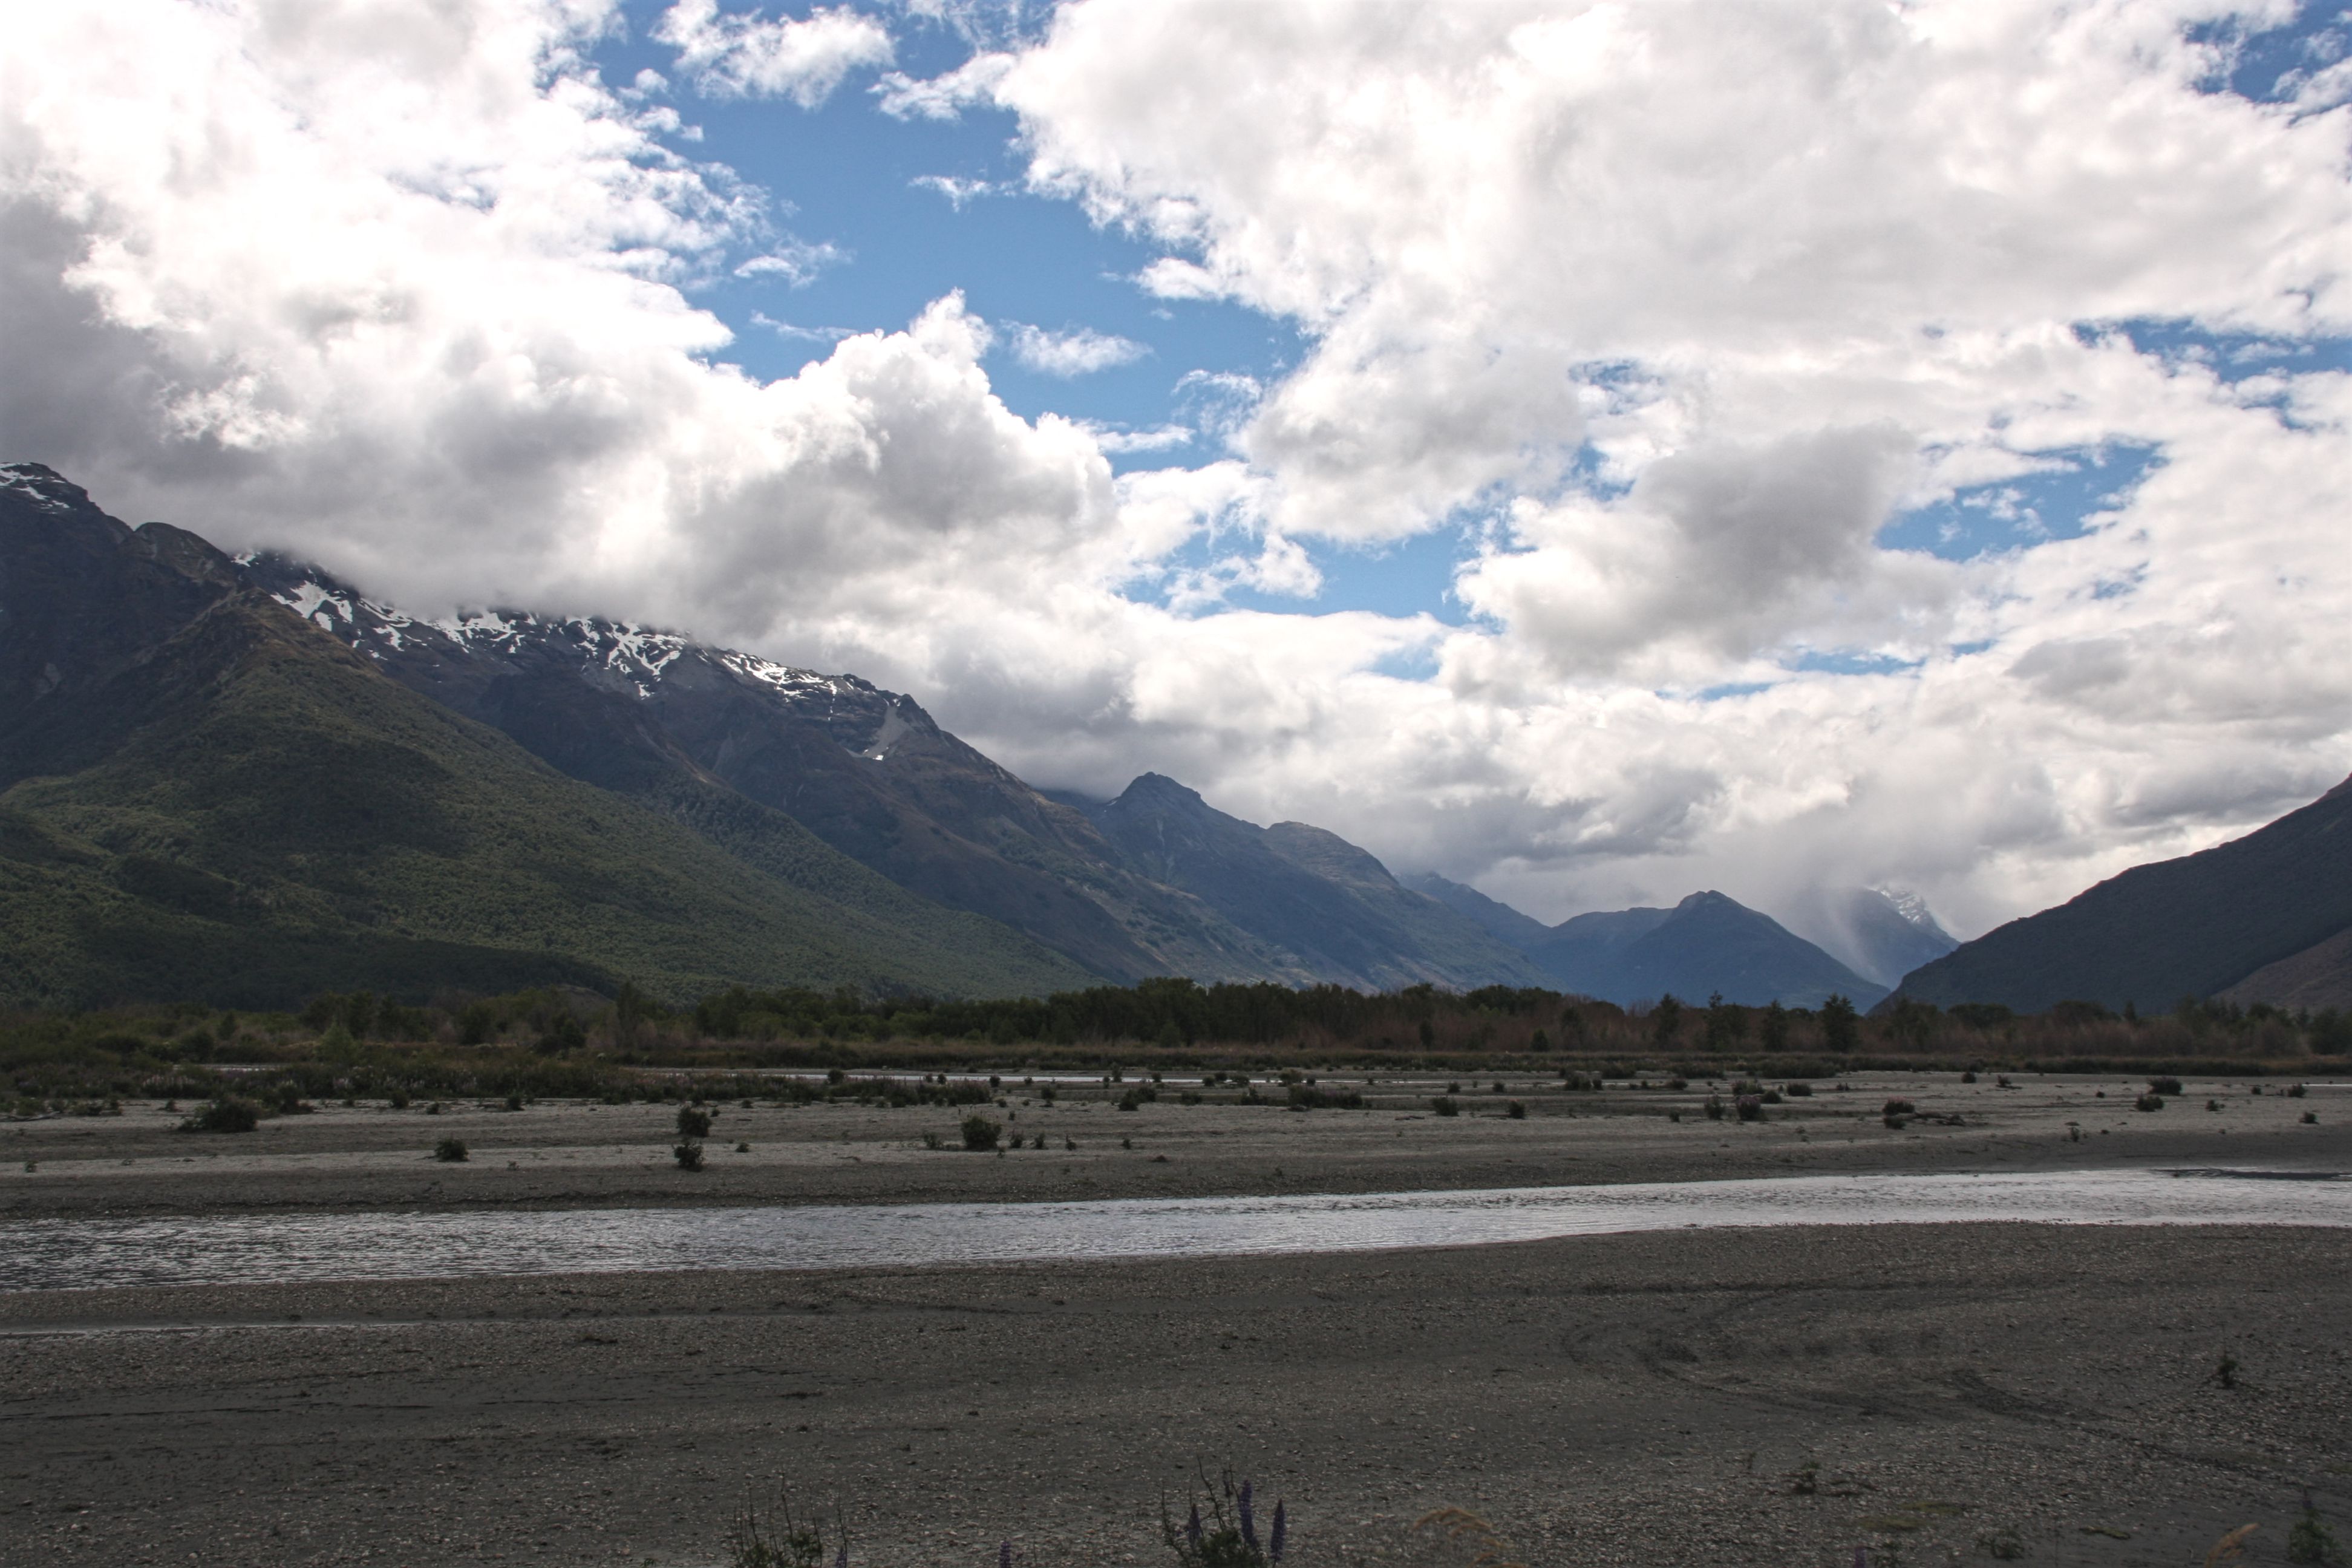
{"x":203,"y":796}
{"x":1495,"y":918}
{"x":1705,"y":944}
{"x":2268,"y":904}
{"x":1307,"y":893}
{"x":1880,"y":933}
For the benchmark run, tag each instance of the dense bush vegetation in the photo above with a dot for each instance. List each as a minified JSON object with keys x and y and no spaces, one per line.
{"x":573,"y":1044}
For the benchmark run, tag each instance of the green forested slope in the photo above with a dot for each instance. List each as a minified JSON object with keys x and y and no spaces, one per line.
{"x":251,"y":813}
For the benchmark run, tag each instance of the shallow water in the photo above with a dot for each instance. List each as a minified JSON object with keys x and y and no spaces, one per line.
{"x":255,"y":1249}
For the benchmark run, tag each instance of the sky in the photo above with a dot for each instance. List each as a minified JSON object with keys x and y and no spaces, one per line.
{"x":1596,"y":451}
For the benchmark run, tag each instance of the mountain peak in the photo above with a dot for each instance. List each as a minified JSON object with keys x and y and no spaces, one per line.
{"x":1159,"y":789}
{"x":45,"y":486}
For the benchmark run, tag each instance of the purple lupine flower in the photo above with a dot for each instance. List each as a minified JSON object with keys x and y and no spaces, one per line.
{"x":841,"y":1558}
{"x":1281,"y":1532}
{"x":1249,"y":1520}
{"x":1861,"y":1558}
{"x":1192,"y":1526}
{"x":1005,"y":1554}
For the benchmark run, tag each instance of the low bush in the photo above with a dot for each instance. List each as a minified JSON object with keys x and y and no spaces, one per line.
{"x":1798,"y":1091}
{"x":1750,"y":1107}
{"x":2164,"y":1086}
{"x":688,"y":1155}
{"x":229,"y":1113}
{"x":2149,"y":1102}
{"x":693,"y":1123}
{"x":980,"y":1134}
{"x":1714,"y":1108}
{"x":450,"y":1151}
{"x":1228,"y":1537}
{"x":1445,"y":1105}
{"x":1518,"y":1111}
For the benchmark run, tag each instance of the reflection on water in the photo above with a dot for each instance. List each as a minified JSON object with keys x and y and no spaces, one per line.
{"x":246,"y":1250}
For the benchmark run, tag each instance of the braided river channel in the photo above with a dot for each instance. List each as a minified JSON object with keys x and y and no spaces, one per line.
{"x":241,"y":1250}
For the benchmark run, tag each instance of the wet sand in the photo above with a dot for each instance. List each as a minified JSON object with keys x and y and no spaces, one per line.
{"x":1629,"y":1399}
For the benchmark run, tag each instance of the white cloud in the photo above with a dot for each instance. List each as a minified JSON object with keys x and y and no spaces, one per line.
{"x":743,"y":57}
{"x":942,"y":96}
{"x":957,"y":191}
{"x":1078,"y":351}
{"x":1160,"y":439}
{"x":796,"y":261}
{"x":1679,"y":300}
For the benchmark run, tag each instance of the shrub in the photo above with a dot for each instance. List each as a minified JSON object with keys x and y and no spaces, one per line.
{"x":796,"y":1544}
{"x":1714,"y":1108}
{"x":1897,"y":1113}
{"x":2310,"y":1541}
{"x":2164,"y":1086}
{"x":1970,"y":1075}
{"x":1131,"y":1100}
{"x":1445,"y":1105}
{"x":931,"y":1140}
{"x":450,"y":1151}
{"x":2311,"y":1119}
{"x":2294,"y":1092}
{"x":2149,"y":1102}
{"x":514,"y":1102}
{"x":688,"y":1155}
{"x":1519,"y":1112}
{"x":1228,"y":1538}
{"x":693,"y":1123}
{"x":980,"y":1134}
{"x":228,"y":1113}
{"x":1750,"y":1107}
{"x":1798,"y":1091}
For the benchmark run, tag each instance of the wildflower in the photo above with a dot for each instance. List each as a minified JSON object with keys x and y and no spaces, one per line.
{"x":1281,"y":1532}
{"x":1249,"y":1520}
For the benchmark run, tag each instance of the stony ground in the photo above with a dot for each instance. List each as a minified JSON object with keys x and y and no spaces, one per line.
{"x":1929,"y":1393}
{"x":566,"y":1155}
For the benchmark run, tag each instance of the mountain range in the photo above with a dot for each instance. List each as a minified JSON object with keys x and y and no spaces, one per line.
{"x":2265,"y":917}
{"x":1708,"y":944}
{"x":240,"y":780}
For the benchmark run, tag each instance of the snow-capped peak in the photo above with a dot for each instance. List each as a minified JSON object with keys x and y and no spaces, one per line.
{"x":1911,"y":907}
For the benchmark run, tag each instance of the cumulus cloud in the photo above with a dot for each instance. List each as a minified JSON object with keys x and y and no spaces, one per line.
{"x":1081,"y":351}
{"x":1674,"y":309}
{"x":744,"y":57}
